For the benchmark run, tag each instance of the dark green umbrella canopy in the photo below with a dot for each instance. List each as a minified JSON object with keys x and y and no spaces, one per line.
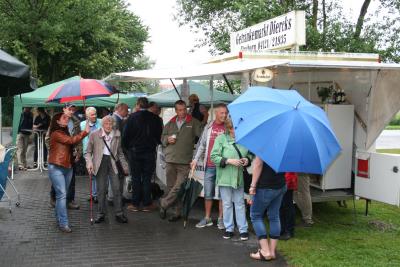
{"x":14,"y":76}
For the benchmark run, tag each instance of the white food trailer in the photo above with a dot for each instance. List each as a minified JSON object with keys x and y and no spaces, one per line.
{"x":372,"y":92}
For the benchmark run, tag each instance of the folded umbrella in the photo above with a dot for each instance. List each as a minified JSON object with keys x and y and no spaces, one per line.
{"x":284,"y":129}
{"x":188,"y":194}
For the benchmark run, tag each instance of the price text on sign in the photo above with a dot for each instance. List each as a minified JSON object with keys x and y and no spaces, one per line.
{"x":281,"y":32}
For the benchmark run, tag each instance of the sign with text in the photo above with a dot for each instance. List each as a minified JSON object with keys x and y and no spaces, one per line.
{"x":263,"y":75}
{"x":282,"y":32}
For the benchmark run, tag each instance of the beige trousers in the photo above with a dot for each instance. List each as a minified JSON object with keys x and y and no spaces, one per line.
{"x":302,"y":197}
{"x":176,"y":174}
{"x":22,"y":147}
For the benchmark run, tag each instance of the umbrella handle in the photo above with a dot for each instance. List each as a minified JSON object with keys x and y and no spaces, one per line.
{"x":191,"y":173}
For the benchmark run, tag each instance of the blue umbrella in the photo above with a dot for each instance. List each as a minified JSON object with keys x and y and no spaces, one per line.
{"x":289,"y":133}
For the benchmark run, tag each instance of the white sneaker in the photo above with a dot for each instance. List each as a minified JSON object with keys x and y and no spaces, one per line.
{"x":220,"y":224}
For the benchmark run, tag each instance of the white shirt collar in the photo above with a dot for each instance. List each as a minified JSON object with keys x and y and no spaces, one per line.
{"x":109,"y":136}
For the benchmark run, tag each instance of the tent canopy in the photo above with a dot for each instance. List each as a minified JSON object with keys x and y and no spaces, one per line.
{"x":168,"y":98}
{"x":39,"y":97}
{"x":14,"y":75}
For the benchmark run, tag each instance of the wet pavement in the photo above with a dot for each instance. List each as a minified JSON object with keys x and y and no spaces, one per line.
{"x":29,"y":236}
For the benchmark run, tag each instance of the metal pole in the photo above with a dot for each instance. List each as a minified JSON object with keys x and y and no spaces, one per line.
{"x":1,"y":122}
{"x":176,"y":90}
{"x":212,"y":96}
{"x":227,"y":83}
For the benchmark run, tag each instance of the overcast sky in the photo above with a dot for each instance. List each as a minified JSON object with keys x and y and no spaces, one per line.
{"x":170,"y":45}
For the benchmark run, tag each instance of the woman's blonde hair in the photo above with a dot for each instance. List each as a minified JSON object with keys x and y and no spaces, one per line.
{"x":228,"y":124}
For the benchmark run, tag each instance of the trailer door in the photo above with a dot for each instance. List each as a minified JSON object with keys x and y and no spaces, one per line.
{"x":377,"y":177}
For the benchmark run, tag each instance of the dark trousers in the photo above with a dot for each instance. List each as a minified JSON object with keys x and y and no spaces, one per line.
{"x":142,"y":168}
{"x":287,"y":213}
{"x":35,"y":155}
{"x":71,"y":188}
{"x":103,"y":174}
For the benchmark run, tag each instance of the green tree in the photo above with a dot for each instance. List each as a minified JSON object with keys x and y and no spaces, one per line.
{"x":62,"y":38}
{"x":327,"y":27}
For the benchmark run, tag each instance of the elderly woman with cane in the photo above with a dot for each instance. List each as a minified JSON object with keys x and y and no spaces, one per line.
{"x":60,"y":164}
{"x":104,"y":158}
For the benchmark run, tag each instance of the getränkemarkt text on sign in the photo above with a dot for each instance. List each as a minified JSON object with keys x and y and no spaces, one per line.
{"x":282,"y":32}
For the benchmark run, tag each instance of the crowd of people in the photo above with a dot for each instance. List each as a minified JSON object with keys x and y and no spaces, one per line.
{"x":120,"y":143}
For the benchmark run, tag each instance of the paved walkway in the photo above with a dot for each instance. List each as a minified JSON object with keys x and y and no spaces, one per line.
{"x":29,"y":236}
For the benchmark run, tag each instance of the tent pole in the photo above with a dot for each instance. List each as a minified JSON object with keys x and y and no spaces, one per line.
{"x":1,"y":122}
{"x":176,"y":90}
{"x":227,"y":83}
{"x":212,"y":96}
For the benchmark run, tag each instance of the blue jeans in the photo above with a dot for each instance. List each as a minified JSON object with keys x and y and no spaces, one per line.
{"x":230,"y":196}
{"x":60,"y":178}
{"x":267,"y":199}
{"x":209,"y":182}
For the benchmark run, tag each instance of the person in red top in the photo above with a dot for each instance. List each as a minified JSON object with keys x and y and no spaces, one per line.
{"x":287,"y":210}
{"x":204,"y":147}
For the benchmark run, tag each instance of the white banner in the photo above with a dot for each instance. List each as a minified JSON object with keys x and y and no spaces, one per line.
{"x":285,"y":31}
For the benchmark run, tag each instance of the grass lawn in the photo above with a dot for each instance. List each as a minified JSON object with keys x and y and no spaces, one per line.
{"x":392,"y":127}
{"x":337,"y":240}
{"x":390,"y":151}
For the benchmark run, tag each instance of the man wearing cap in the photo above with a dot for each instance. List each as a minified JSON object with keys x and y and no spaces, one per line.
{"x":74,"y":129}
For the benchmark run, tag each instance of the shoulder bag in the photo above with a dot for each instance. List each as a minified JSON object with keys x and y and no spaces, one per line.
{"x":120,"y":169}
{"x":246,"y":175}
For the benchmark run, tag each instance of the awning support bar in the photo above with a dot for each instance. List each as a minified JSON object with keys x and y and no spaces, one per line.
{"x":228,"y":84}
{"x":176,"y":90}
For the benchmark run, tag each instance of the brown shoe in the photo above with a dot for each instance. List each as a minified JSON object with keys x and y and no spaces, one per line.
{"x":73,"y":205}
{"x":133,"y":208}
{"x":150,"y":207}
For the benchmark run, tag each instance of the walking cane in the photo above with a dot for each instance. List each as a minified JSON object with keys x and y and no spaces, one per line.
{"x":91,"y":199}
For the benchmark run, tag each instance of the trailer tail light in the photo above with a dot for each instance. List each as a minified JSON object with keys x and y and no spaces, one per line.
{"x":363,"y":168}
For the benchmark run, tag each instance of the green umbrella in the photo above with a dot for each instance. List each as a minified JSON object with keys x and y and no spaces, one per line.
{"x":188,"y":194}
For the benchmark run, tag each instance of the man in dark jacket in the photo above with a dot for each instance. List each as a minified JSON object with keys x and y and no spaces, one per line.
{"x":119,"y":115}
{"x":142,"y":134}
{"x":24,"y":132}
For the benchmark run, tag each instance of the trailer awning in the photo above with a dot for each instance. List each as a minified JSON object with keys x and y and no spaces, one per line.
{"x":195,"y":72}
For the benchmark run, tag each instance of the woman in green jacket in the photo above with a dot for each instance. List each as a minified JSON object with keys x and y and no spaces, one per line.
{"x":230,"y":180}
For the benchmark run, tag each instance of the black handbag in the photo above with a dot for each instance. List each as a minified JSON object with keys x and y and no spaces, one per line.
{"x":120,"y":169}
{"x":246,"y":175}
